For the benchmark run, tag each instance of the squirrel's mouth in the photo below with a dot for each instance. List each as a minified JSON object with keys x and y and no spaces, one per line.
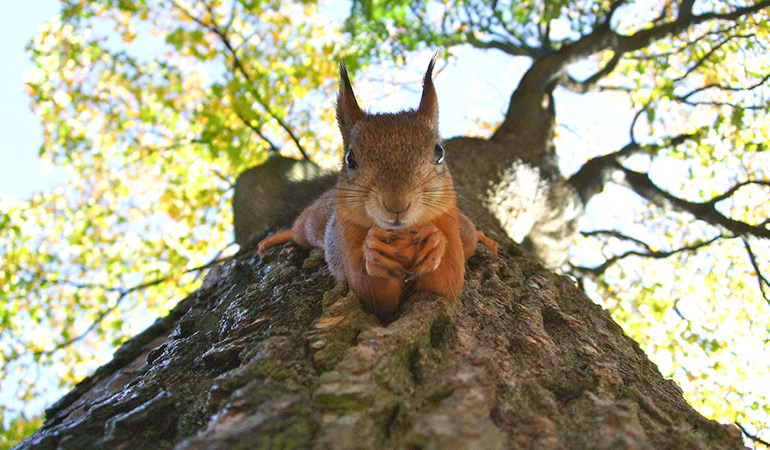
{"x":393,"y":222}
{"x":392,"y":225}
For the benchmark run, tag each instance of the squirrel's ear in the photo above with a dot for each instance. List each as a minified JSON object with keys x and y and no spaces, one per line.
{"x":429,"y":102}
{"x":348,"y":111}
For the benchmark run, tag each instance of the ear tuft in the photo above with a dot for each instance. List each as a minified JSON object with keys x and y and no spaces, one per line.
{"x":429,"y":102}
{"x":348,"y":111}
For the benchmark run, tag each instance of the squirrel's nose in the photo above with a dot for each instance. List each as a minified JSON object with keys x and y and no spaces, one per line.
{"x":396,"y":206}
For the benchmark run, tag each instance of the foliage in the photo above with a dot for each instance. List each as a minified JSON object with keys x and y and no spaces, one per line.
{"x":155,"y":106}
{"x":18,"y":429}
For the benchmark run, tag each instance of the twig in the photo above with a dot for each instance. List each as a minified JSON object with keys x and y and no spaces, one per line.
{"x":761,"y":279}
{"x":123,"y":293}
{"x":598,"y":270}
{"x":754,"y":438}
{"x":238,"y":65}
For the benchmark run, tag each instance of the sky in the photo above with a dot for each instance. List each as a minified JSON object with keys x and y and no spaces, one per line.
{"x":22,"y":133}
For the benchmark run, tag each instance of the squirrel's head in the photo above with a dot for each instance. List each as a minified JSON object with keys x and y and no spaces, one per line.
{"x":394,"y":173}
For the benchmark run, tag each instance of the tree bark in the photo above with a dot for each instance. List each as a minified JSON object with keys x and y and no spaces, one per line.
{"x":270,"y":353}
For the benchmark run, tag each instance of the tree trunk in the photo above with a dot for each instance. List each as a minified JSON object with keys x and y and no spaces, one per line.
{"x":270,"y":353}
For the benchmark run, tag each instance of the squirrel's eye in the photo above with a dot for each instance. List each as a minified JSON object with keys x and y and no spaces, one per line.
{"x":438,"y":155}
{"x":350,"y":160}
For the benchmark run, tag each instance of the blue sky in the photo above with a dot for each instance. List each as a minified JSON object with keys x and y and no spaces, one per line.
{"x":20,"y":130}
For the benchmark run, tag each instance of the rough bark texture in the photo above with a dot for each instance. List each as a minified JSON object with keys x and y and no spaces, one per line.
{"x":271,"y":354}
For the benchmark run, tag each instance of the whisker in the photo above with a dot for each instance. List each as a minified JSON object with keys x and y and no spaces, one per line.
{"x":426,"y":179}
{"x":362,"y":191}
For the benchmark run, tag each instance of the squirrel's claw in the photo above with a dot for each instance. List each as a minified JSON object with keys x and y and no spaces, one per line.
{"x":382,"y":259}
{"x":378,"y":265}
{"x":432,"y":244}
{"x":381,"y":270}
{"x":379,"y":240}
{"x":381,"y":235}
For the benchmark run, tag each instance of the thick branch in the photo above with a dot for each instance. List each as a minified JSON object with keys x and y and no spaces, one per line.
{"x":540,"y":78}
{"x":642,"y":185}
{"x":591,"y":83}
{"x":685,"y":9}
{"x":593,"y":176}
{"x":595,"y":173}
{"x":684,"y":21}
{"x":507,"y":47}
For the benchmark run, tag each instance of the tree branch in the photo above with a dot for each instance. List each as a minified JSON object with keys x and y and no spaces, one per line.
{"x":684,"y":20}
{"x":224,"y":178}
{"x":518,"y":47}
{"x":753,"y":437}
{"x":238,"y":65}
{"x":702,"y":60}
{"x":545,"y":35}
{"x":685,"y":10}
{"x":727,"y":194}
{"x":595,"y":173}
{"x":612,"y":11}
{"x":507,"y":46}
{"x":617,"y":234}
{"x":590,"y":84}
{"x":123,"y":293}
{"x":604,"y":38}
{"x":599,"y":270}
{"x":256,"y":130}
{"x":706,"y":211}
{"x":762,"y":81}
{"x":547,"y":70}
{"x":761,"y":279}
{"x":716,"y":34}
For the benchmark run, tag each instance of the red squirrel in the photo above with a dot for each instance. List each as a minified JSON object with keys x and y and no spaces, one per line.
{"x":392,"y":218}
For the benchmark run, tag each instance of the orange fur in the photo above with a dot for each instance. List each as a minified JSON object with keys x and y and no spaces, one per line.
{"x":378,"y":294}
{"x":275,"y":239}
{"x":393,"y":183}
{"x":449,"y":275}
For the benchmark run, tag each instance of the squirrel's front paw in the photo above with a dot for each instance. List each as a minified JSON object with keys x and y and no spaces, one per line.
{"x":431,"y":244}
{"x":382,"y":258}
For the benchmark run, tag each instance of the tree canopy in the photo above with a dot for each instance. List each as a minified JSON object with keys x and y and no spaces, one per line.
{"x":154,"y":107}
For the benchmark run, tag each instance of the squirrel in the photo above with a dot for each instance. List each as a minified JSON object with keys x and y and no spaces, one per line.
{"x":392,"y":220}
